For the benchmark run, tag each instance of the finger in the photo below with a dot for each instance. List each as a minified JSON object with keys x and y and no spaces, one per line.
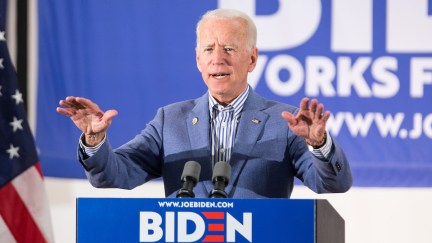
{"x":64,"y":103}
{"x":70,"y":98}
{"x":326,"y":116}
{"x":73,"y":103}
{"x":304,"y":104}
{"x":289,"y":118}
{"x":109,"y":114}
{"x":313,"y":106}
{"x":64,"y":111}
{"x":68,"y":103}
{"x":86,"y":103}
{"x":319,"y":111}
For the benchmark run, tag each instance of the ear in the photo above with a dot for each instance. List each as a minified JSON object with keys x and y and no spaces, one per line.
{"x":197,"y":59}
{"x":253,"y":59}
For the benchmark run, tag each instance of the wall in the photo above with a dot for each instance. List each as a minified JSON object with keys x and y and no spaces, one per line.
{"x":372,"y":215}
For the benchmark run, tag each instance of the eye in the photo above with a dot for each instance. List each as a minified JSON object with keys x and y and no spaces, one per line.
{"x":208,"y":49}
{"x":228,"y":49}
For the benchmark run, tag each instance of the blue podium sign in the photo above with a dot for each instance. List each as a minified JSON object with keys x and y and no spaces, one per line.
{"x":195,"y":220}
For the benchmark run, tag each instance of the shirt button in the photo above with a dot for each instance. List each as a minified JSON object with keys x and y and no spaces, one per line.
{"x":223,"y":124}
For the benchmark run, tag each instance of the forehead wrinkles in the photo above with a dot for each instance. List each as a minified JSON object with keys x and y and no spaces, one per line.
{"x":223,"y":32}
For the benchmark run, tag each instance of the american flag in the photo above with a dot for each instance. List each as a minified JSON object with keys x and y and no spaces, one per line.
{"x":24,"y":211}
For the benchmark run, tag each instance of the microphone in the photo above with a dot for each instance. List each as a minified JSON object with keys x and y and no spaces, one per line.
{"x":189,"y":178}
{"x":221,"y":177}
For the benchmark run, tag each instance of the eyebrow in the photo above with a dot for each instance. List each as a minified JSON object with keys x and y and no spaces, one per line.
{"x":225,"y":45}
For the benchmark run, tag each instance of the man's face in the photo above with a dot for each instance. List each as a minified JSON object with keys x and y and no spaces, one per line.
{"x":224,"y":57}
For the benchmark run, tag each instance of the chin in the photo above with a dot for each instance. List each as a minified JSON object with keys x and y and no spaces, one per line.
{"x":218,"y":92}
{"x":217,"y":87}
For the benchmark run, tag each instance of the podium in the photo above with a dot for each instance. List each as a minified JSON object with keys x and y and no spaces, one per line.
{"x":208,"y":220}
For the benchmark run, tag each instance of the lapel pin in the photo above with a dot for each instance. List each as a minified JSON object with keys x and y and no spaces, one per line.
{"x":194,"y":120}
{"x":255,"y":121}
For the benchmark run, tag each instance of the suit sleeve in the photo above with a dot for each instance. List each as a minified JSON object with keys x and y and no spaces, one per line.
{"x":329,"y":175}
{"x":132,"y":164}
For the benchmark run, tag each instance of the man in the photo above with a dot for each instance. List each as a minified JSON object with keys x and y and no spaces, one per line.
{"x":266,"y":143}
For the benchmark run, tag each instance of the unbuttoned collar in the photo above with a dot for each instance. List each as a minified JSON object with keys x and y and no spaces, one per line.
{"x":236,"y":105}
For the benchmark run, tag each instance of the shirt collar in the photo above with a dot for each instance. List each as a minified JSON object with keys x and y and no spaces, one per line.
{"x":237,"y":104}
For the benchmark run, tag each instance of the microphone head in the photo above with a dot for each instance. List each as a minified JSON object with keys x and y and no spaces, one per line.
{"x":222,"y":169}
{"x":191,"y":169}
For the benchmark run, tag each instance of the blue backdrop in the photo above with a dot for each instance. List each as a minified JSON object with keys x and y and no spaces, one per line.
{"x":368,"y":61}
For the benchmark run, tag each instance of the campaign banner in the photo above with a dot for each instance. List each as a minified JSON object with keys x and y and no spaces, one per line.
{"x":368,"y":61}
{"x":196,"y":220}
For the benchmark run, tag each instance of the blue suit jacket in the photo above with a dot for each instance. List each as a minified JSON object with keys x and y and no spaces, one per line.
{"x":266,"y":156}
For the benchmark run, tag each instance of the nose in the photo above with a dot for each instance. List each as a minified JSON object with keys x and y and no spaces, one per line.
{"x":219,"y":56}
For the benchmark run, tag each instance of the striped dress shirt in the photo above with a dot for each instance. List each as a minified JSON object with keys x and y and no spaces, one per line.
{"x":223,"y":122}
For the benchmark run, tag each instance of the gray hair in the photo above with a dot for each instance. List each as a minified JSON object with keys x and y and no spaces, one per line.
{"x":230,"y":14}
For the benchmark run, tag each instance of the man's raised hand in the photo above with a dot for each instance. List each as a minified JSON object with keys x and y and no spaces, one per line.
{"x":88,"y":117}
{"x":309,"y":122}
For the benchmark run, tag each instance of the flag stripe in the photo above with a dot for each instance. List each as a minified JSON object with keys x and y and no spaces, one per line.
{"x":30,"y":186}
{"x":24,"y":208}
{"x":39,"y":169}
{"x":17,"y":217}
{"x":5,"y":234}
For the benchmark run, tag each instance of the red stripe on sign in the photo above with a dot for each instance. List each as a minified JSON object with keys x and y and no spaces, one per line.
{"x":17,"y":217}
{"x":214,"y":215}
{"x":216,"y":227}
{"x":214,"y":238}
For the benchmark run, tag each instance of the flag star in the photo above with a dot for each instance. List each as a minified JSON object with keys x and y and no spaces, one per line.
{"x":13,"y":152}
{"x":16,"y":124}
{"x":2,"y":36}
{"x":18,"y":97}
{"x":0,"y":91}
{"x":1,"y":63}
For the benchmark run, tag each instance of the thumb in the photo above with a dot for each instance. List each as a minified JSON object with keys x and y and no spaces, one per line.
{"x":289,"y":118}
{"x":109,"y":114}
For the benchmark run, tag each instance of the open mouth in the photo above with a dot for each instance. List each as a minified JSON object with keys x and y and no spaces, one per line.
{"x":220,"y":75}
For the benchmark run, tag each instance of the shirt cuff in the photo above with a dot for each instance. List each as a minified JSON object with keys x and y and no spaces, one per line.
{"x":324,"y":151}
{"x":90,"y":151}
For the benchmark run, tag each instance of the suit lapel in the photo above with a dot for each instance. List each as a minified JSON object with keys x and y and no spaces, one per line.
{"x":198,"y":124}
{"x":252,"y":122}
